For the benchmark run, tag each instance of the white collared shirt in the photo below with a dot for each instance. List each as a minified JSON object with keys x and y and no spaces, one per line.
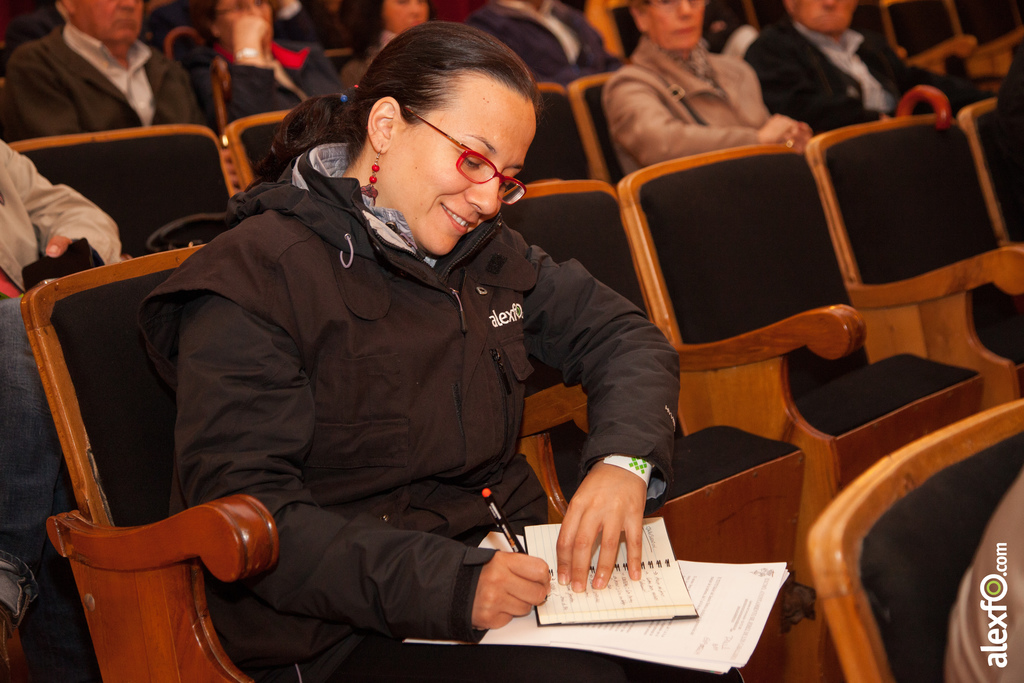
{"x":565,"y":35}
{"x":844,"y":55}
{"x":131,"y":81}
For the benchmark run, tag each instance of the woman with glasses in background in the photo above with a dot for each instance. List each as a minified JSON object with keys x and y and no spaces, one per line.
{"x":266,"y":75}
{"x":352,"y":353}
{"x":675,"y":98}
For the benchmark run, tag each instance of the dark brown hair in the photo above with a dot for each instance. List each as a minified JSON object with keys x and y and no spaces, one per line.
{"x":202,"y":14}
{"x":416,"y":68}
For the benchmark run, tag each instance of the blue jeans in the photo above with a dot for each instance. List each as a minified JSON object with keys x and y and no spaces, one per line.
{"x":34,"y":485}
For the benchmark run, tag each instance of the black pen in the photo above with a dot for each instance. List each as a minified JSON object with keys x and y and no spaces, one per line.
{"x":499,"y":517}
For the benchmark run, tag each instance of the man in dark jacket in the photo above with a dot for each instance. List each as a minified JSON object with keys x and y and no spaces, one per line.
{"x":555,"y":40}
{"x":814,"y":68}
{"x":93,"y":74}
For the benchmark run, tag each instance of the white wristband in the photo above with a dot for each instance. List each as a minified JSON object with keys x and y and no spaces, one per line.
{"x":637,"y":466}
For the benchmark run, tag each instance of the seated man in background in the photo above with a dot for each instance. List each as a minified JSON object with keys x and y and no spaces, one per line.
{"x":93,"y":74}
{"x":555,"y":40}
{"x":814,"y":68}
{"x":37,"y":218}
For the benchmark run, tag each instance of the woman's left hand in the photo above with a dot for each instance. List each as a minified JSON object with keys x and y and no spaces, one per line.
{"x":609,"y":501}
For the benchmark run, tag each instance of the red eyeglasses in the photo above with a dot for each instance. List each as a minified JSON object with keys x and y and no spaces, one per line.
{"x":477,"y":168}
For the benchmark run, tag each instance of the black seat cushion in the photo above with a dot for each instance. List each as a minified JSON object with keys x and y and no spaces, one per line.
{"x":872,"y":391}
{"x":702,"y":458}
{"x":128,"y":411}
{"x":916,"y":553}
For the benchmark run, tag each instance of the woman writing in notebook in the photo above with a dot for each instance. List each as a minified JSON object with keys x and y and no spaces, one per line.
{"x":352,"y":354}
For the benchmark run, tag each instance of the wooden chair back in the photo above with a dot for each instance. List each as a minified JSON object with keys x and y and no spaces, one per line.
{"x":737,"y":496}
{"x":887,"y":555}
{"x":928,"y":32}
{"x":220,"y":81}
{"x":625,"y":26}
{"x":870,"y":174}
{"x":249,"y":139}
{"x":978,"y":121}
{"x":557,"y":150}
{"x":732,"y":278}
{"x":143,"y":177}
{"x":585,"y":98}
{"x":141,"y":581}
{"x":997,"y":26}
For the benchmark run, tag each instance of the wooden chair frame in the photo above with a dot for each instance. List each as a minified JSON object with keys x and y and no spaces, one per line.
{"x":585,"y":124}
{"x":233,"y":137}
{"x":934,"y":58}
{"x":743,"y":381}
{"x":737,"y":519}
{"x":142,"y":587}
{"x":124,"y":134}
{"x":928,"y":315}
{"x":836,"y":539}
{"x":967,"y":119}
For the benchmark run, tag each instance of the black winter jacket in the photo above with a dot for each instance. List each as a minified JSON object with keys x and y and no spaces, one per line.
{"x":799,"y":81}
{"x":368,"y":404}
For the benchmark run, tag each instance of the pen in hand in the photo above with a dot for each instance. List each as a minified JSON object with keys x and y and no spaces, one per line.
{"x":499,"y":517}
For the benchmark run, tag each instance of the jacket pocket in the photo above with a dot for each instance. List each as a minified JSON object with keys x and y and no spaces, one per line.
{"x":363,"y":412}
{"x":380,"y":443}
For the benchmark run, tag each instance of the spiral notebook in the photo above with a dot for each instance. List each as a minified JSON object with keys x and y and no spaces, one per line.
{"x":659,"y":594}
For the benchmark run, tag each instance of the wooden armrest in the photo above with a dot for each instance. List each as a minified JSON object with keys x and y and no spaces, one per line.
{"x":234,"y":537}
{"x":1003,"y":267}
{"x":830,"y":332}
{"x":933,"y":58}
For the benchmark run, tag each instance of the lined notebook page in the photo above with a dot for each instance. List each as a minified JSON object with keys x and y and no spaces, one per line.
{"x":659,"y":594}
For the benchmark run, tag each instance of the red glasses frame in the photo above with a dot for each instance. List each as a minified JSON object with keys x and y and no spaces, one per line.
{"x":511,"y":189}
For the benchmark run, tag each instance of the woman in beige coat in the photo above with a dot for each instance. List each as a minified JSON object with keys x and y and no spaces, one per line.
{"x":675,"y":98}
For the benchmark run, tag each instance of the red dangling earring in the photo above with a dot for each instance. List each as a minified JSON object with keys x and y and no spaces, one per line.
{"x":369,"y":190}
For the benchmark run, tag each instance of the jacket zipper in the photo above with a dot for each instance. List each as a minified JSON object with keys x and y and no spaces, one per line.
{"x":499,"y":367}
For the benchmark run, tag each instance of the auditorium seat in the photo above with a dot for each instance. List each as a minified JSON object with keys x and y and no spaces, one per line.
{"x":143,"y":177}
{"x":905,"y":205}
{"x":249,"y":139}
{"x":736,"y":495}
{"x":889,"y":553}
{"x":139,"y":572}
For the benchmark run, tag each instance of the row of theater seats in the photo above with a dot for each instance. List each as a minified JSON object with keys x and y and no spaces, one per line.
{"x":789,"y":393}
{"x":982,"y":33}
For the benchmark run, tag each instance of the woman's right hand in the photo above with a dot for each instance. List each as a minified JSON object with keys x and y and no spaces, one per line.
{"x":785,"y":131}
{"x":510,"y":585}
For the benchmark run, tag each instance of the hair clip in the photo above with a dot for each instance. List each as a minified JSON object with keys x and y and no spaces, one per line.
{"x":343,"y":98}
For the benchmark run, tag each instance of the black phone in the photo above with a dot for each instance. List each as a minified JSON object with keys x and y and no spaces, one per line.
{"x":78,"y":256}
